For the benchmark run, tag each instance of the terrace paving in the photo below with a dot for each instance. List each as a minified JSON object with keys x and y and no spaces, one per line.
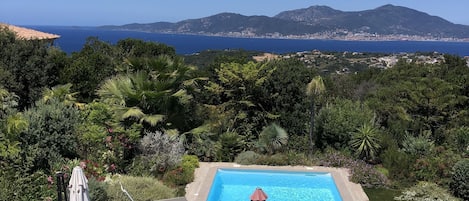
{"x":199,"y":189}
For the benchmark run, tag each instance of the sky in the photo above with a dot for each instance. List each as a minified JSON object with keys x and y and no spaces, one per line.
{"x":119,"y":12}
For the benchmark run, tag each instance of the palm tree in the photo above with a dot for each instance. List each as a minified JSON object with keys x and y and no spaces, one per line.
{"x":155,"y":92}
{"x":62,"y":93}
{"x":313,"y":89}
{"x":365,"y":141}
{"x":273,"y":138}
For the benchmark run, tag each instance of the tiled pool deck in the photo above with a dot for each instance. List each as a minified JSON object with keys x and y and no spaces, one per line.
{"x":199,"y":189}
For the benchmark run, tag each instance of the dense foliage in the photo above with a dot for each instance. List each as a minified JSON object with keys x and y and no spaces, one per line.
{"x":136,"y":108}
{"x":460,"y":179}
{"x":426,"y":191}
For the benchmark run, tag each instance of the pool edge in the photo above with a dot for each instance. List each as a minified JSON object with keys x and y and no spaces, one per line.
{"x":204,"y":175}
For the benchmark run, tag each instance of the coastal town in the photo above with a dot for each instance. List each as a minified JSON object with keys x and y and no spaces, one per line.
{"x":339,"y":34}
{"x":351,"y":62}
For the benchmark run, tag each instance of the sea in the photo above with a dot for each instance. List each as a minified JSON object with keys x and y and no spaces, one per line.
{"x":73,"y":38}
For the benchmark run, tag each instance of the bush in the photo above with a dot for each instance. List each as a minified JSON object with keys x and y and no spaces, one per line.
{"x":231,"y":144}
{"x":184,"y":174}
{"x":105,"y":140}
{"x":274,"y":160}
{"x":295,"y":158}
{"x":160,"y":152}
{"x":97,"y":190}
{"x":336,"y":122}
{"x":424,"y":191}
{"x":247,"y":158}
{"x":436,"y":167}
{"x":360,"y":172}
{"x":50,"y":135}
{"x":459,"y":138}
{"x":460,"y":179}
{"x":178,"y":177}
{"x":140,"y":188}
{"x":421,"y":145}
{"x":396,"y":161}
{"x":25,"y":187}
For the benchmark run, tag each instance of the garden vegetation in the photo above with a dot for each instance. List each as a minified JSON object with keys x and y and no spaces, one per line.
{"x":134,"y":112}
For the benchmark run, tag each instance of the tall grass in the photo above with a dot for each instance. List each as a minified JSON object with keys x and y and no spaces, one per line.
{"x":140,"y":188}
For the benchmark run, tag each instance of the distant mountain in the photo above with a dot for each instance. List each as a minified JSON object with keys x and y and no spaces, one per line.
{"x":312,"y":15}
{"x":384,"y":20}
{"x":387,"y":21}
{"x":226,"y":23}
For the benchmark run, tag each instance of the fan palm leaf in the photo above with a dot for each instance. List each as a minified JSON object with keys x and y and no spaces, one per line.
{"x":153,"y":119}
{"x":133,"y":112}
{"x":273,"y":137}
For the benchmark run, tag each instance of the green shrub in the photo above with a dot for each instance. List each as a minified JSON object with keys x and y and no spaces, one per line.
{"x":460,"y":179}
{"x":184,"y":174}
{"x":247,"y":158}
{"x":26,"y":187}
{"x":140,"y":188}
{"x":436,"y":167}
{"x":280,"y":159}
{"x":50,"y":135}
{"x":139,"y":167}
{"x":231,"y":144}
{"x":274,"y":160}
{"x":396,"y":161}
{"x":421,"y":145}
{"x":336,"y":122}
{"x":178,"y":177}
{"x":97,"y":190}
{"x":190,"y":162}
{"x":424,"y":191}
{"x":459,"y":138}
{"x":383,"y":171}
{"x":295,"y":158}
{"x":360,"y":172}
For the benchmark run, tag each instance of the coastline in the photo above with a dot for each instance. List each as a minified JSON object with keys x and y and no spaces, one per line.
{"x":359,"y":37}
{"x":74,"y":37}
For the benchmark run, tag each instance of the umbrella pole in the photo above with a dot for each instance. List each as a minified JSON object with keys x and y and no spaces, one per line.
{"x":64,"y":187}
{"x":61,"y":188}
{"x":59,"y":185}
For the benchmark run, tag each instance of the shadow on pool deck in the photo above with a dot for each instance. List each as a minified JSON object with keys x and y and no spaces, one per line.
{"x":199,"y":189}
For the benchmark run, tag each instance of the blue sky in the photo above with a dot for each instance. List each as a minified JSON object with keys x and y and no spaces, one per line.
{"x":118,"y":12}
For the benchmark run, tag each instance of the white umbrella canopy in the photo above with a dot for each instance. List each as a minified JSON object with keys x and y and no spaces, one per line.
{"x":78,"y":186}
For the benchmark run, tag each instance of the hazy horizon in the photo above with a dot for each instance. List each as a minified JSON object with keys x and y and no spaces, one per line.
{"x":119,"y":12}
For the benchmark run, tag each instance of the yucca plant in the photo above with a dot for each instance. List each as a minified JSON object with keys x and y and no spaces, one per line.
{"x":365,"y":141}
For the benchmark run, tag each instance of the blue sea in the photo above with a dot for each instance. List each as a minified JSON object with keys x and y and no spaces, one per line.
{"x":73,"y":38}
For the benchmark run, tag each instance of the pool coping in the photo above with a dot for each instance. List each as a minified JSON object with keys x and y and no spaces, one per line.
{"x":200,"y":188}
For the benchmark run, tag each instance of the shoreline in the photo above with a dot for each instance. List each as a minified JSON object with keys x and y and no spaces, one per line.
{"x":384,"y":38}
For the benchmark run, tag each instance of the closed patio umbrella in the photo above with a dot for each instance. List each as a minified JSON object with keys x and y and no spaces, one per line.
{"x":78,"y":186}
{"x":258,"y":195}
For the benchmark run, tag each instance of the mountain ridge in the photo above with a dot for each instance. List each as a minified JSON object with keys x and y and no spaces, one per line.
{"x":387,"y":22}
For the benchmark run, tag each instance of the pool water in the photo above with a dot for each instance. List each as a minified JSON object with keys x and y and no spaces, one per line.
{"x":238,"y":185}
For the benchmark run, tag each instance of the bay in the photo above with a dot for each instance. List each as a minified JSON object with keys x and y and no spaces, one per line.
{"x":73,"y":38}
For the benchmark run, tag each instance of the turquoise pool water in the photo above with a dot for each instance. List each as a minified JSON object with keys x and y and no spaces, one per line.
{"x":238,"y":185}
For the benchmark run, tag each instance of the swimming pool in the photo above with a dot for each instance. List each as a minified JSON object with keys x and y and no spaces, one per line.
{"x":238,"y":185}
